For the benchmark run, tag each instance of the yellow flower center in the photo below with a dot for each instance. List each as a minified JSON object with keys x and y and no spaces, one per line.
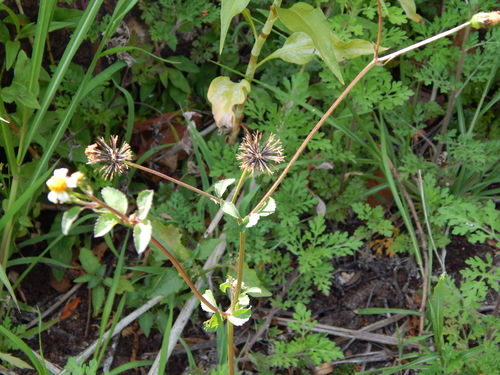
{"x":57,"y":184}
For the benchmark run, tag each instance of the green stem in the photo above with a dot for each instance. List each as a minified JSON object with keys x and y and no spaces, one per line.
{"x":125,"y":220}
{"x":252,"y":66}
{"x":235,"y":296}
{"x":175,"y":181}
{"x":230,"y":348}
{"x":238,"y":187}
{"x":376,"y":61}
{"x":239,"y":277}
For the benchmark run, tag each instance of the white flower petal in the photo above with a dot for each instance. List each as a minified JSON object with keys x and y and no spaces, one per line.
{"x":61,"y":172}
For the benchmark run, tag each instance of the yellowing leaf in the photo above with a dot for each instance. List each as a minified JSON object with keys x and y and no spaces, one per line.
{"x":411,"y":10}
{"x":224,"y":95}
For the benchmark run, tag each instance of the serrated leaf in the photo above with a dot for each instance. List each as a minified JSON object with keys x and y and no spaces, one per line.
{"x":144,"y":202}
{"x":104,"y":224}
{"x":302,"y":17}
{"x":230,"y":209}
{"x":213,"y":323}
{"x":268,"y":208}
{"x":20,"y":94}
{"x":224,"y":95}
{"x":115,"y":198}
{"x":221,"y":186}
{"x":410,"y":10}
{"x":229,"y":9}
{"x":69,"y":218}
{"x":209,"y":296}
{"x":240,"y":317}
{"x":89,"y":261}
{"x":142,"y":235}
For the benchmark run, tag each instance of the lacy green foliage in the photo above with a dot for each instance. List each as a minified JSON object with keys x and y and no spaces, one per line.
{"x":225,"y":163}
{"x":300,"y":352}
{"x":375,"y":222}
{"x":376,"y":90}
{"x":165,"y":18}
{"x":470,"y":339}
{"x":285,"y":116}
{"x":182,"y":212}
{"x":315,"y":249}
{"x":292,"y":200}
{"x":5,"y":343}
{"x":76,"y":367}
{"x":478,"y":278}
{"x":475,"y":220}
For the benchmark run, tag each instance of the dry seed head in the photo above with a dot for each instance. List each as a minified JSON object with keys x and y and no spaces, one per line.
{"x":114,"y":158}
{"x":258,"y":157}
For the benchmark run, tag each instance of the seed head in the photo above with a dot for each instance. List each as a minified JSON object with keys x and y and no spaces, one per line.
{"x":114,"y":158}
{"x":256,"y":157}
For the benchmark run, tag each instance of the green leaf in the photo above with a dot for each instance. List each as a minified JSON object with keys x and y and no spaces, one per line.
{"x":98,"y":295}
{"x":229,"y":9}
{"x":209,"y":296}
{"x":14,"y":361}
{"x":89,"y":261}
{"x":104,"y":224}
{"x":142,"y":235}
{"x":383,"y":310}
{"x":115,"y":198}
{"x":20,"y":94}
{"x":184,"y":64}
{"x":11,"y":50}
{"x":170,"y":237}
{"x":144,"y":202}
{"x":410,"y":10}
{"x":302,"y":17}
{"x":213,"y":323}
{"x":167,"y":283}
{"x":240,"y":316}
{"x":224,"y":95}
{"x":230,"y":209}
{"x":4,"y":33}
{"x":178,"y":80}
{"x":221,"y":186}
{"x":146,"y":322}
{"x":69,"y":218}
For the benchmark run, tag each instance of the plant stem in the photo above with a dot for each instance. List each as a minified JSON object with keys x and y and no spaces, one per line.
{"x":235,"y":297}
{"x":252,"y":66}
{"x":125,"y":220}
{"x":238,"y":187}
{"x":175,"y":181}
{"x":376,"y":60}
{"x":230,"y":348}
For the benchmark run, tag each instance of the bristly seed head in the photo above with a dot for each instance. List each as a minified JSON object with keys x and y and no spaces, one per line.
{"x":114,"y":158}
{"x":255,"y":157}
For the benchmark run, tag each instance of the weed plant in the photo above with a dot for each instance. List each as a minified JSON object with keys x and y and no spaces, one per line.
{"x":438,"y":161}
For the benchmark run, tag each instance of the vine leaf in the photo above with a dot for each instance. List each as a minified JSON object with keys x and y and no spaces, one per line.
{"x":299,"y":48}
{"x":302,"y":17}
{"x":229,"y":9}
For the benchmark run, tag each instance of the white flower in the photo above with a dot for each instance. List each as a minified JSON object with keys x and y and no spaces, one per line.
{"x":59,"y":184}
